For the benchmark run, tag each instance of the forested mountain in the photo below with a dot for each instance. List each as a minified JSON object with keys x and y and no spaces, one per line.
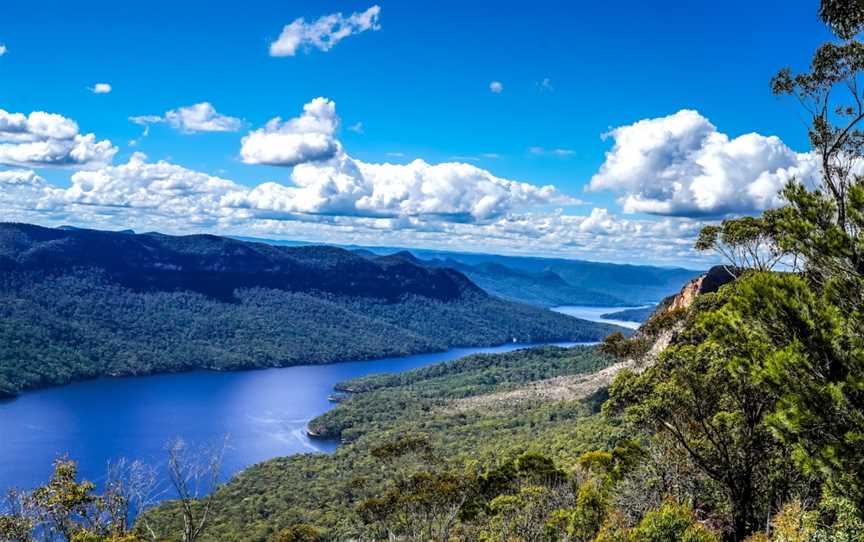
{"x":629,"y":284}
{"x":543,"y":288}
{"x":83,"y":303}
{"x":548,"y":281}
{"x":420,"y":430}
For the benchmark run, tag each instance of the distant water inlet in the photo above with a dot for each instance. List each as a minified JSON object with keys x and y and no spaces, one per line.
{"x":264,"y":414}
{"x":595,"y":314}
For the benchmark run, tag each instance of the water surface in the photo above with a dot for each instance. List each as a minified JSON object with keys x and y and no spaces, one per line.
{"x":595,"y":314}
{"x":264,"y":414}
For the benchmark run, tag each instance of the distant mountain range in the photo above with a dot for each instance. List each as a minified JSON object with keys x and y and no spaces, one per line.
{"x":548,"y":282}
{"x":78,"y":303}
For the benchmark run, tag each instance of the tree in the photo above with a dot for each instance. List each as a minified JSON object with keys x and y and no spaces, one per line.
{"x":299,"y":532}
{"x":824,"y":225}
{"x":703,"y":394}
{"x":816,"y":369}
{"x":745,"y":243}
{"x":671,"y":522}
{"x":844,"y":17}
{"x":422,"y":506}
{"x":194,"y":475}
{"x":69,"y":510}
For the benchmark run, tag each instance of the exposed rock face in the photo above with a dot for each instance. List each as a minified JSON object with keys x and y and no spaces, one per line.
{"x":687,"y":294}
{"x":706,"y":283}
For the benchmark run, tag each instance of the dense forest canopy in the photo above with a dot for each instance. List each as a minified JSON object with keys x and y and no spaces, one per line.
{"x":81,"y":303}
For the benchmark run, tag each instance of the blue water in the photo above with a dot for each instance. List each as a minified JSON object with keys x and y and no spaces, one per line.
{"x":595,"y":314}
{"x":263,"y":413}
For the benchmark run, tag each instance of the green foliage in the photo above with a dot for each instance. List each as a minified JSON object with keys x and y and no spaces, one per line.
{"x":844,"y":17}
{"x":704,"y":394}
{"x":671,"y":523}
{"x":405,"y":438}
{"x":299,"y":532}
{"x":806,"y":353}
{"x":57,"y":329}
{"x":590,"y":511}
{"x":746,"y":242}
{"x":617,"y":345}
{"x":68,"y":510}
{"x":414,"y":393}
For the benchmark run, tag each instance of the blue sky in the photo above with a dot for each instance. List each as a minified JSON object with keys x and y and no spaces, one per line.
{"x":419,"y":83}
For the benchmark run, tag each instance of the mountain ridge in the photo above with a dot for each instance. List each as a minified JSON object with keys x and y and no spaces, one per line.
{"x":78,"y":304}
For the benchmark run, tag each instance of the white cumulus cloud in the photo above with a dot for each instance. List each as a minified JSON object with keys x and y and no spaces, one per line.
{"x":190,"y":119}
{"x":3,"y":49}
{"x":162,"y":187}
{"x":496,"y":87}
{"x":101,"y":88}
{"x":681,"y":165}
{"x":43,"y":139}
{"x":346,"y":186}
{"x":167,"y":197}
{"x":327,"y":181}
{"x":309,"y":137}
{"x":201,"y":117}
{"x":324,"y":32}
{"x":26,"y":177}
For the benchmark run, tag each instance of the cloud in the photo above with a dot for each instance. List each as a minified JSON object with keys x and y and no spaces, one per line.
{"x":680,"y":165}
{"x":144,"y":120}
{"x":323,"y":33}
{"x":435,"y":212}
{"x":307,"y":138}
{"x":357,"y":128}
{"x":326,"y":182}
{"x":540,"y":151}
{"x":340,"y":199}
{"x":546,"y":85}
{"x":329,"y":182}
{"x":20,"y":177}
{"x":200,"y":117}
{"x":449,"y":191}
{"x":342,"y":187}
{"x":101,"y":88}
{"x":496,"y":87}
{"x":43,"y":139}
{"x":160,"y":187}
{"x":3,"y":49}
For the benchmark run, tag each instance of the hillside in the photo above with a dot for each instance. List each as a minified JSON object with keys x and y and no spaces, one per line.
{"x":81,"y":303}
{"x":541,"y":288}
{"x":630,"y":284}
{"x":329,"y":490}
{"x":545,"y":282}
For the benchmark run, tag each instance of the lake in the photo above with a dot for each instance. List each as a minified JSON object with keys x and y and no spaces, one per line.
{"x":595,"y":314}
{"x":263,"y":413}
